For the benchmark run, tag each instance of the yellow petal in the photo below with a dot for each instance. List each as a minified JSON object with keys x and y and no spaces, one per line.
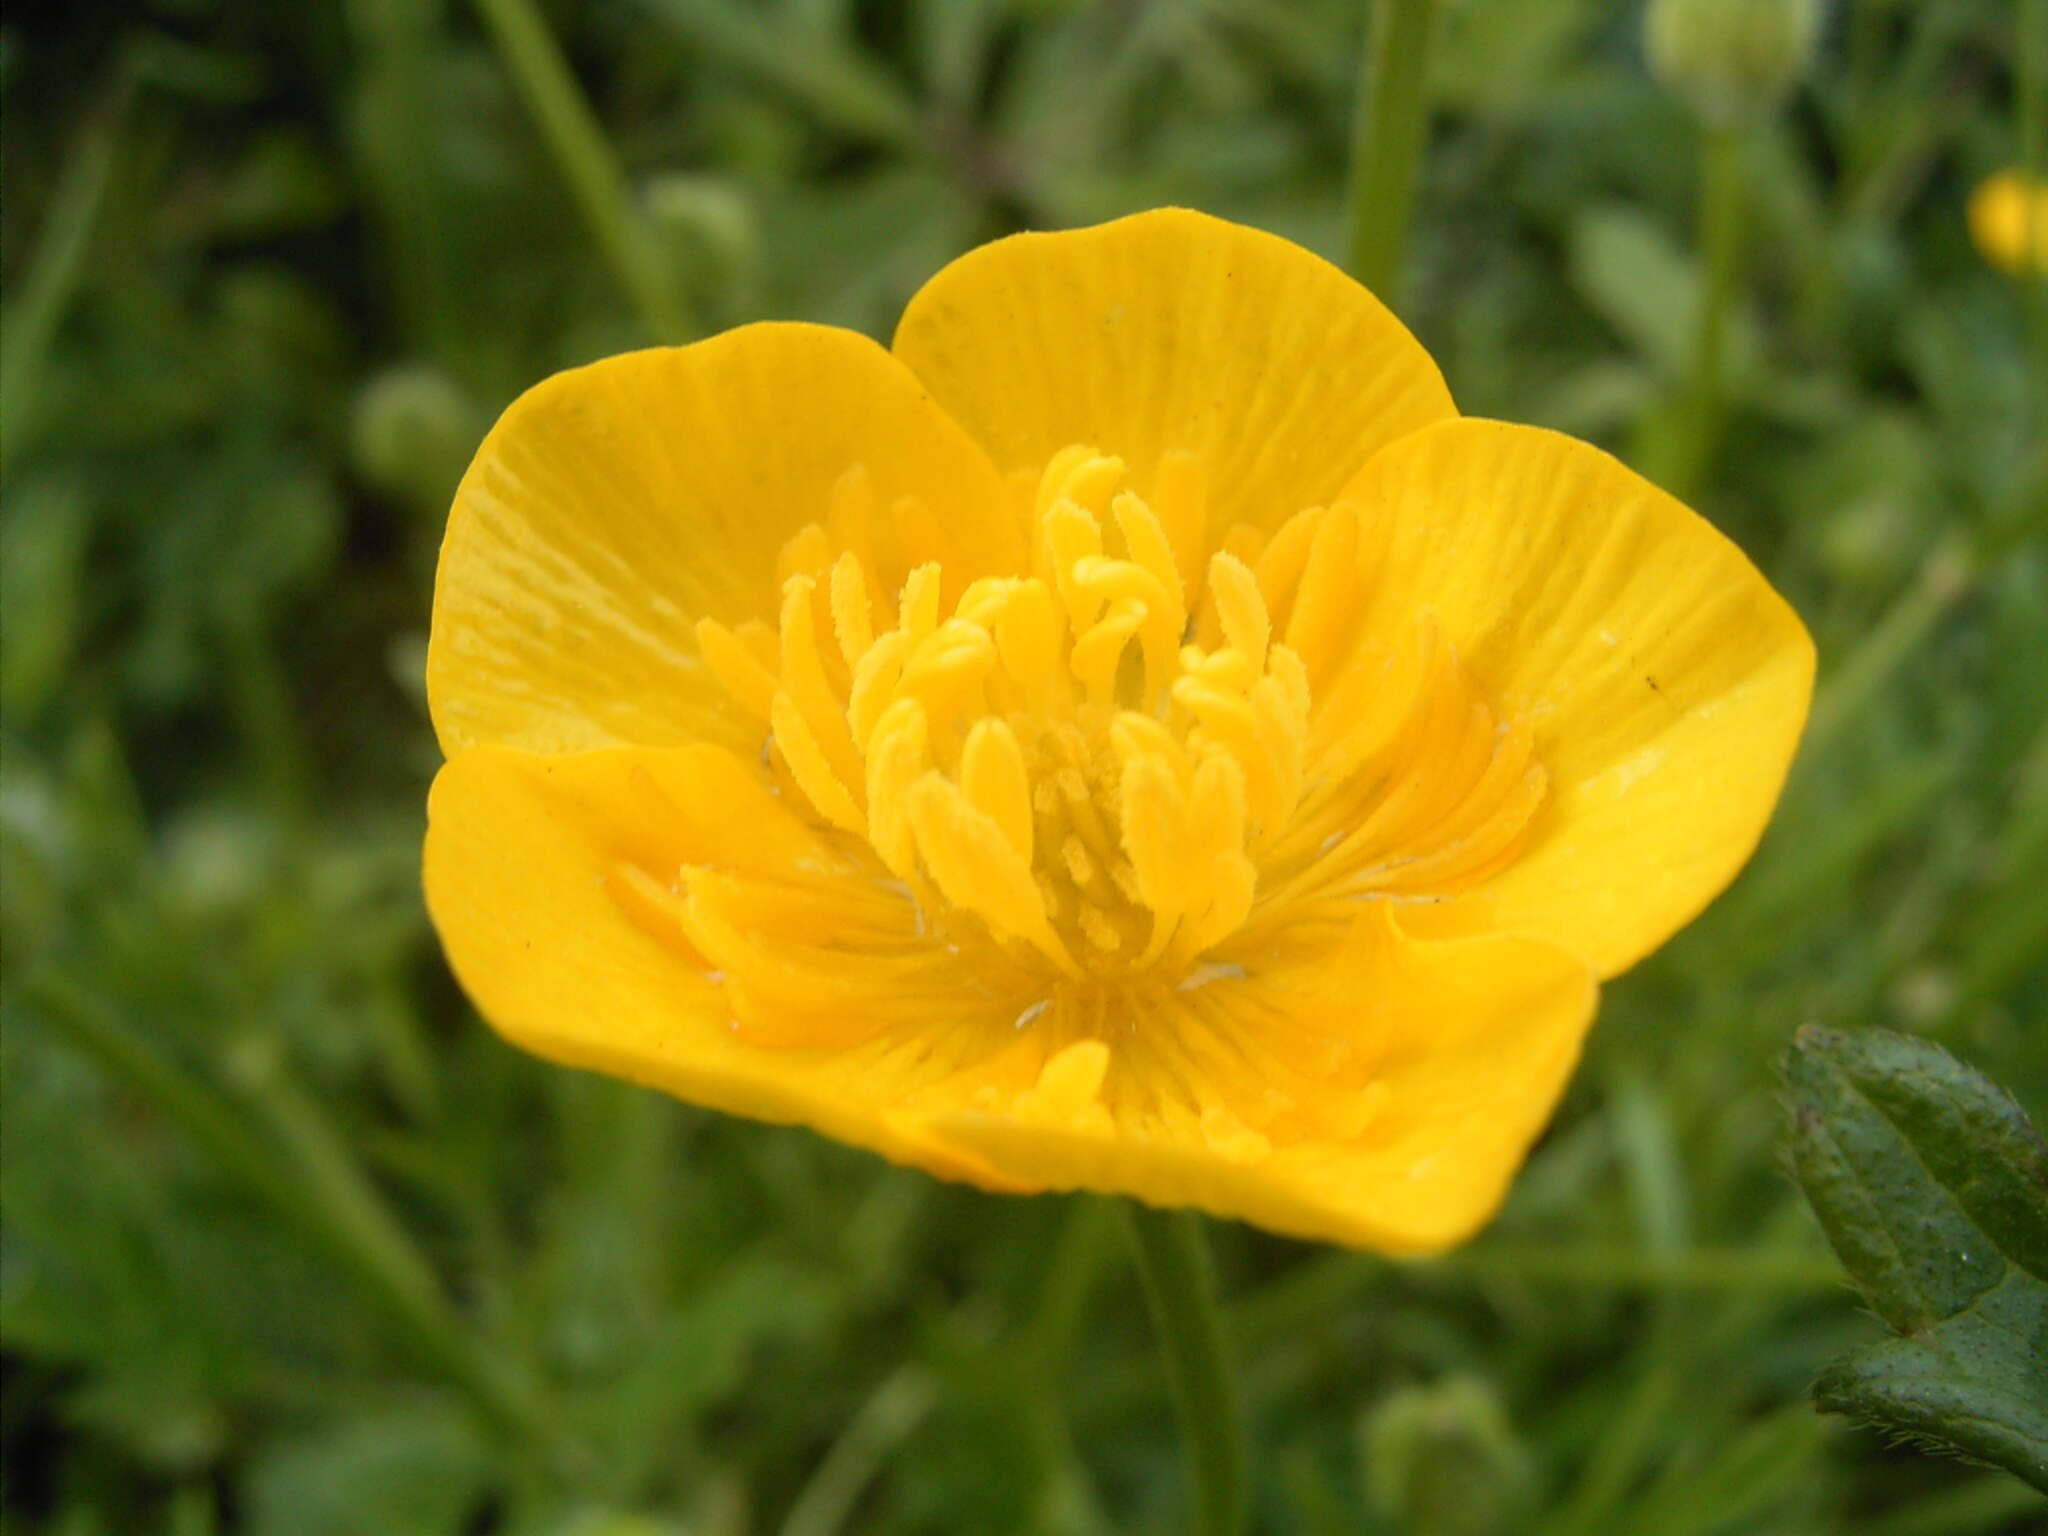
{"x":1476,"y":1039}
{"x":546,"y":876}
{"x":1664,"y":681}
{"x":1172,"y":331}
{"x":615,"y":505}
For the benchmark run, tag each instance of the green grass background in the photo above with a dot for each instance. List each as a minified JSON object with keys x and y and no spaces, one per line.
{"x":291,"y":1245}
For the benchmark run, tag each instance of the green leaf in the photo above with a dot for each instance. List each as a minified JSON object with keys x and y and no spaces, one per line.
{"x":1643,"y":283}
{"x":416,"y":1466}
{"x":1932,"y":1186}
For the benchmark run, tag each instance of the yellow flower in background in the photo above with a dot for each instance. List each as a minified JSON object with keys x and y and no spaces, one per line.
{"x":1135,"y":735}
{"x":2000,"y":212}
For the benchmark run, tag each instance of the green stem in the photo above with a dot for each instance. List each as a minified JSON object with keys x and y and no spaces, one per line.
{"x":1944,"y":579}
{"x":391,"y":120}
{"x":1386,"y":146}
{"x":263,"y":708}
{"x":2032,"y":71}
{"x":1720,"y":238}
{"x":52,"y":278}
{"x":1076,"y":1261}
{"x":1180,"y":1289}
{"x":2033,"y":87}
{"x":587,"y":163}
{"x":828,"y":1499}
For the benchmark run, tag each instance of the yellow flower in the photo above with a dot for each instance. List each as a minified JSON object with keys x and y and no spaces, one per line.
{"x":1134,"y":736}
{"x":2000,"y":211}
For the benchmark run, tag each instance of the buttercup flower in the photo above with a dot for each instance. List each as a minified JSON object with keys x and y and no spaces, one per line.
{"x":2000,"y":211}
{"x":1135,"y":735}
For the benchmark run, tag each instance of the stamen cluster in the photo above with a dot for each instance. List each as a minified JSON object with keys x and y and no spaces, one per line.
{"x":1104,"y":765}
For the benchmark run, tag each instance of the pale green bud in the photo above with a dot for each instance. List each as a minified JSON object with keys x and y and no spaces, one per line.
{"x":412,"y":433}
{"x":1443,"y":1458}
{"x":706,"y":226}
{"x":1731,"y":59}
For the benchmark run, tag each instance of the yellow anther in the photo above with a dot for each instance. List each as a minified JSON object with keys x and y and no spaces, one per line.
{"x":1075,"y":856}
{"x":1059,"y":469}
{"x":1162,"y":618}
{"x":1101,"y":932}
{"x":1082,"y":476}
{"x":1228,"y":668}
{"x":919,"y":606}
{"x":852,"y":620}
{"x":1329,"y":582}
{"x":1284,"y":665}
{"x":1133,"y":736}
{"x":1028,"y":635}
{"x":1155,"y":830}
{"x":1151,"y":548}
{"x":984,"y":599}
{"x":810,"y":768}
{"x":1072,"y":535}
{"x":1098,"y":651}
{"x":996,"y":782}
{"x":1229,"y":720}
{"x":1125,"y":879}
{"x":1179,"y":501}
{"x":1111,"y":580}
{"x":1072,"y":1078}
{"x":1240,"y":609}
{"x":1284,"y":739}
{"x":976,"y":869}
{"x":760,"y":641}
{"x":874,"y":684}
{"x":947,"y":666}
{"x":896,"y":759}
{"x":751,"y":685}
{"x":850,"y":511}
{"x":1281,"y":561}
{"x":804,"y":680}
{"x":1216,"y":805}
{"x":1231,"y":1139}
{"x":807,"y":553}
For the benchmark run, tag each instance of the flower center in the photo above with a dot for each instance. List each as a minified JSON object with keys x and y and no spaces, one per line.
{"x":1131,"y":761}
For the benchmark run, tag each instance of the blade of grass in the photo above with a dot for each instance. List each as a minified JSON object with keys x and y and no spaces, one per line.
{"x":1386,"y":148}
{"x":33,"y":314}
{"x":836,"y":84}
{"x":587,"y":164}
{"x":897,"y":1408}
{"x":1943,"y":580}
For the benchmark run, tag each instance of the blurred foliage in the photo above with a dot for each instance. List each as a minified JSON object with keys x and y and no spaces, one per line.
{"x":293,"y":1246}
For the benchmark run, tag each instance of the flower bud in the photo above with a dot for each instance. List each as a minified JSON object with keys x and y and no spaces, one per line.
{"x":1730,"y":59}
{"x":705,"y":226}
{"x":413,"y":430}
{"x":1444,"y":1458}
